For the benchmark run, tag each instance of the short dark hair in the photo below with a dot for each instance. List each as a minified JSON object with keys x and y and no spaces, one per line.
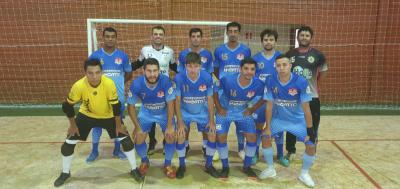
{"x":269,"y":32}
{"x":151,"y":61}
{"x":109,"y":29}
{"x":92,"y":62}
{"x":282,"y":56}
{"x":306,"y":28}
{"x":234,"y":24}
{"x":158,"y":28}
{"x":248,"y":61}
{"x":195,"y":30}
{"x":192,"y":57}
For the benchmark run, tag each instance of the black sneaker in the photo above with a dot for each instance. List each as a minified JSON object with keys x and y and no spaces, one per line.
{"x":204,"y":152}
{"x":152,"y":146}
{"x":137,"y":176}
{"x":224,"y":173}
{"x":212,"y":171}
{"x":250,"y":173}
{"x":180,"y":173}
{"x":187,"y":150}
{"x":61,"y":179}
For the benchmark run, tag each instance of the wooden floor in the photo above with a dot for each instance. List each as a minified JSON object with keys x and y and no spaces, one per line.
{"x":354,"y":152}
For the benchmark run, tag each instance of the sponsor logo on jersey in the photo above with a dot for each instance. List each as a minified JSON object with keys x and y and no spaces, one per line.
{"x":293,"y":91}
{"x":118,"y":61}
{"x":224,"y":56}
{"x":311,"y":59}
{"x":260,"y":65}
{"x":160,"y":94}
{"x":101,"y":61}
{"x":250,"y":94}
{"x":202,"y":88}
{"x":203,"y":59}
{"x":240,"y":56}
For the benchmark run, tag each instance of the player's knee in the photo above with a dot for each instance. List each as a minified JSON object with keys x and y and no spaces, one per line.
{"x":127,"y":144}
{"x":67,"y":149}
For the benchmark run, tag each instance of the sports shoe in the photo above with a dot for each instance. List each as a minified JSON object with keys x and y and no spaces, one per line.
{"x":170,"y":172}
{"x":284,"y":162}
{"x":224,"y":173}
{"x":290,"y":156}
{"x":212,"y":171}
{"x":306,"y":179}
{"x":119,"y":154}
{"x":180,"y":173}
{"x":216,"y":156}
{"x":267,"y":173}
{"x":143,"y":168}
{"x":61,"y":179}
{"x":92,"y":157}
{"x":152,"y":146}
{"x":254,"y":160}
{"x":241,"y":154}
{"x":249,"y":172}
{"x":136,"y":175}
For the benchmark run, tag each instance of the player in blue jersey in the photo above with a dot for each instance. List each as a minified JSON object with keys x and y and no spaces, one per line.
{"x":117,"y":66}
{"x":227,"y":61}
{"x":196,"y":37}
{"x":288,"y":96}
{"x":194,"y":103}
{"x":266,"y":66}
{"x":238,"y":90}
{"x":157,"y":95}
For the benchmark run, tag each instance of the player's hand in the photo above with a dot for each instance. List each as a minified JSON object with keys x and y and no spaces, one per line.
{"x":73,"y":130}
{"x":212,"y":130}
{"x":221,"y":111}
{"x":247,"y":112}
{"x":170,"y":133}
{"x":267,"y":130}
{"x":181,"y":129}
{"x":121,"y":129}
{"x":310,"y":135}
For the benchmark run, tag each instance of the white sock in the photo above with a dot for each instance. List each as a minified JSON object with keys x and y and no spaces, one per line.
{"x":131,"y":158}
{"x":66,"y":163}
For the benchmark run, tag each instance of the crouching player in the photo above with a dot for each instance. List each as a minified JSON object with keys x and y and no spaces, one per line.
{"x":288,"y":109}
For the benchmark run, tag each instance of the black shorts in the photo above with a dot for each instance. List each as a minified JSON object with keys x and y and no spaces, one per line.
{"x":85,"y":124}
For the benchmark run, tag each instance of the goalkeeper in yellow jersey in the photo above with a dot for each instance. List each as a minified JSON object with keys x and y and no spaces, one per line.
{"x":99,"y":108}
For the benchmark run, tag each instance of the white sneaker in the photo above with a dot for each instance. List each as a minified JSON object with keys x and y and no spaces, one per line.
{"x":267,"y":173}
{"x":242,"y":154}
{"x":307,"y":180}
{"x":216,"y":157}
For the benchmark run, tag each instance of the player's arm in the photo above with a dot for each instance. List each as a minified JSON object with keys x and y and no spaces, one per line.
{"x":132,"y":100}
{"x":170,"y":114}
{"x":211,"y":113}
{"x":308,"y":118}
{"x":117,"y":116}
{"x":69,"y":111}
{"x":251,"y":110}
{"x":268,"y":117}
{"x":178,"y":114}
{"x":218,"y":106}
{"x":322,"y":69}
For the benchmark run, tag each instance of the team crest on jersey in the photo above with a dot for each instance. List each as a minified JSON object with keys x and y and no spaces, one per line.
{"x":240,"y":56}
{"x":95,"y":93}
{"x":224,"y":56}
{"x":292,"y":59}
{"x":118,"y":61}
{"x":202,"y":88}
{"x":149,"y":55}
{"x":275,"y":90}
{"x":203,"y":59}
{"x":160,"y":94}
{"x":293,"y":91}
{"x":170,"y":90}
{"x":311,"y":59}
{"x":101,"y":61}
{"x":260,"y":65}
{"x":250,"y":94}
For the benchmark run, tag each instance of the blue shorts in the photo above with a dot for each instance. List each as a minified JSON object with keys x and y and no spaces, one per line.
{"x":245,"y":124}
{"x":259,"y":115}
{"x":298,"y":129}
{"x":201,"y":126}
{"x":146,"y":122}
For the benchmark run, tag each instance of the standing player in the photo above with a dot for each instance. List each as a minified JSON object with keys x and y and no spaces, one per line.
{"x":100,"y":108}
{"x":309,"y":63}
{"x":194,"y":103}
{"x":232,"y":106}
{"x":227,"y":62}
{"x":196,"y":36}
{"x":116,"y":65}
{"x":265,"y":67}
{"x":288,"y":109}
{"x":157,"y":95}
{"x":166,"y":60}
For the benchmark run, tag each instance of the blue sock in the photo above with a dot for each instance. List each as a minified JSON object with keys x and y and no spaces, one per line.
{"x":141,"y":150}
{"x":250,"y":151}
{"x":96,"y":134}
{"x":223,"y":154}
{"x":279,"y":145}
{"x":117,"y":146}
{"x":169,"y":153}
{"x":258,"y":133}
{"x":268,"y":156}
{"x":180,"y":149}
{"x":186,"y":143}
{"x":307,"y":162}
{"x":210,"y":151}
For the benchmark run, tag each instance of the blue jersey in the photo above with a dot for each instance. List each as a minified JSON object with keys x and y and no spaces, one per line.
{"x":228,"y":60}
{"x":235,"y":98}
{"x":265,"y":65}
{"x":287,"y":98}
{"x":194,"y":95}
{"x":114,"y":66}
{"x":206,"y":60}
{"x":154,"y":99}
